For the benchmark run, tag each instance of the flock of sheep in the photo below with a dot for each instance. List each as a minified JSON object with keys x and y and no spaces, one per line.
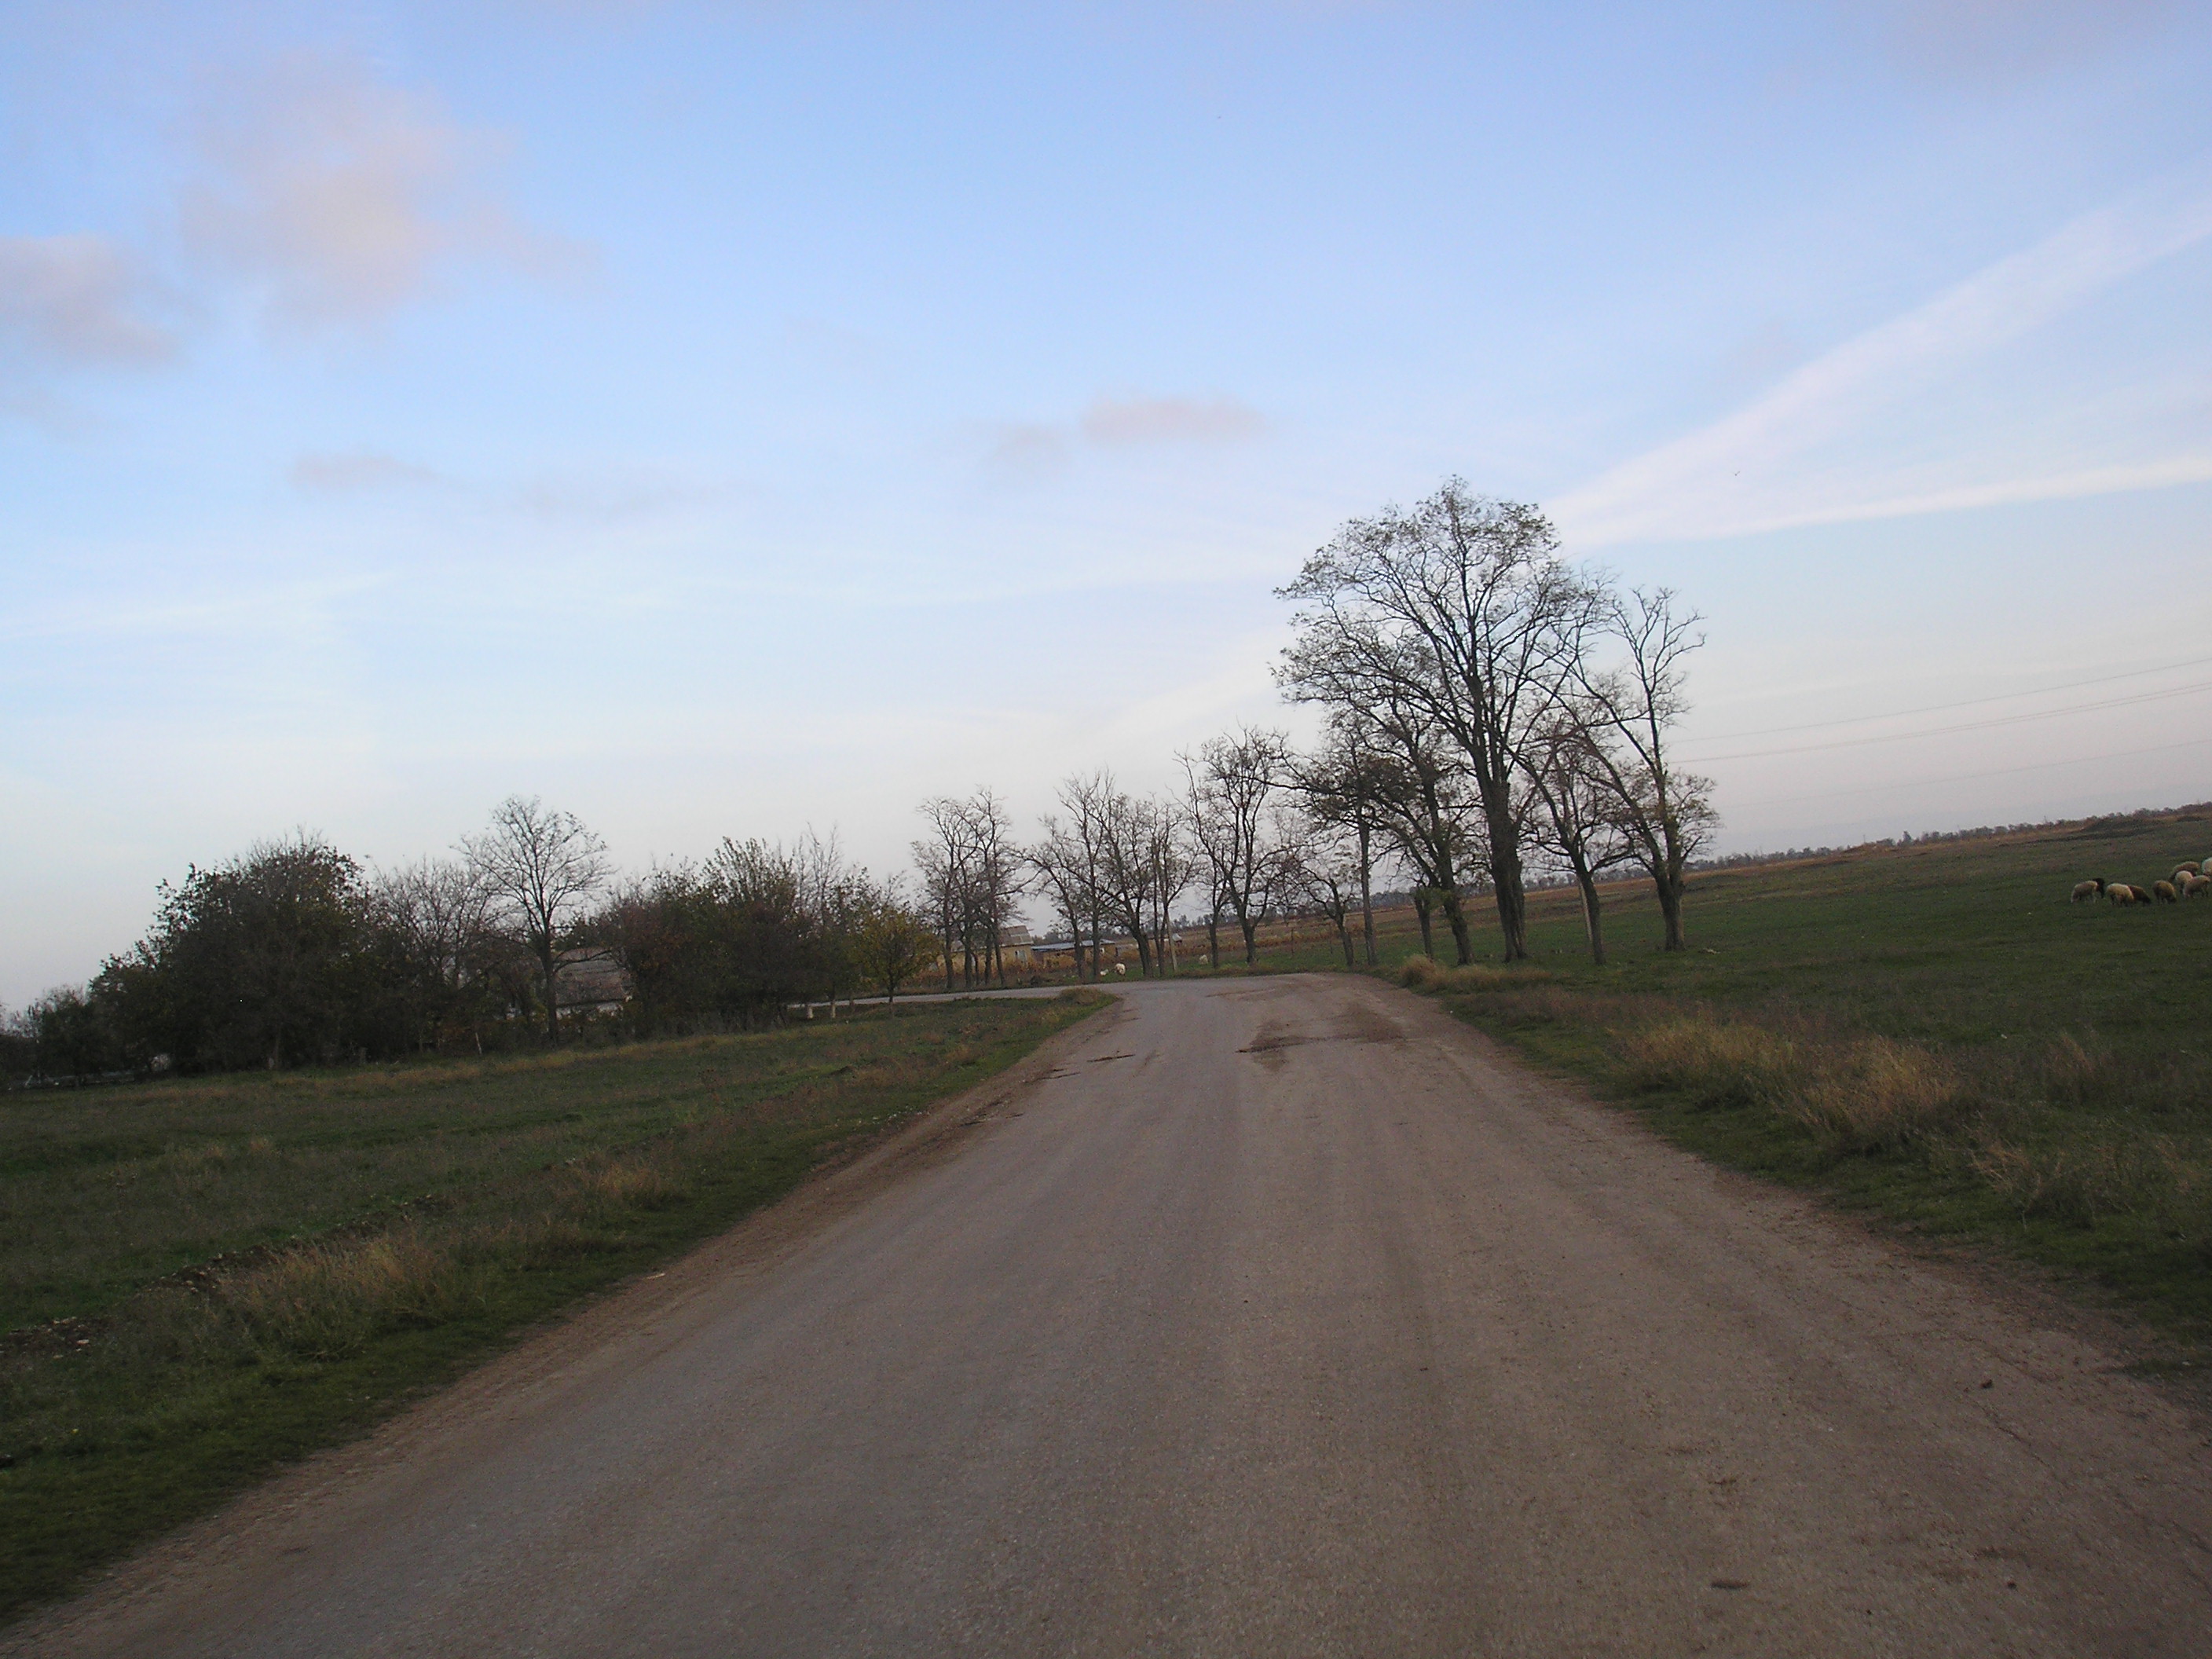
{"x":2187,"y":881}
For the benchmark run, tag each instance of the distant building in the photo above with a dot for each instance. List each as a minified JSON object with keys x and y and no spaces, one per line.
{"x":589,"y":981}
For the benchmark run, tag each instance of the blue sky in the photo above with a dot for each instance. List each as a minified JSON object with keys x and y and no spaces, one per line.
{"x":728,"y":419}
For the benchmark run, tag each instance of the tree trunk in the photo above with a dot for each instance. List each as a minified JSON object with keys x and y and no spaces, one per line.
{"x":1367,"y":893}
{"x":1421,"y":906}
{"x":1251,"y":927}
{"x":1670,"y":908}
{"x":1512,"y":901}
{"x":1344,"y":933}
{"x":550,"y":963}
{"x":1593,"y":922}
{"x":1456,"y":914}
{"x":1213,"y":938}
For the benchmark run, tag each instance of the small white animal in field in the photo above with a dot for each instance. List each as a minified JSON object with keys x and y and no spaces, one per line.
{"x":2188,"y":868}
{"x":2165,"y":892}
{"x":2087,"y":890}
{"x":1120,"y":968}
{"x":2192,"y":885}
{"x":2120,"y":893}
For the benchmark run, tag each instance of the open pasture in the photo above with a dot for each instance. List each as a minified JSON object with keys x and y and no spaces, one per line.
{"x":1931,"y":1031}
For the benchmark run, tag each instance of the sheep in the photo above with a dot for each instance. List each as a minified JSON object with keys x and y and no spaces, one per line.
{"x":2088,"y":891}
{"x":2120,"y":893}
{"x":2188,"y":868}
{"x":2192,"y":885}
{"x":2165,"y":892}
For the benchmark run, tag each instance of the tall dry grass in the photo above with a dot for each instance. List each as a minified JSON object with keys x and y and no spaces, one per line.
{"x":2071,"y":1130}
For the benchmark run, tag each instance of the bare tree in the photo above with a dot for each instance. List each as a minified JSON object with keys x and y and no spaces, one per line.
{"x":971,"y":870}
{"x":1461,"y":608}
{"x":1326,"y":869}
{"x":1579,"y":823}
{"x":1142,"y":868}
{"x":539,"y":870}
{"x":437,"y":911}
{"x":1667,"y":815}
{"x":1061,"y":869}
{"x":1345,"y":788}
{"x":1230,"y":780}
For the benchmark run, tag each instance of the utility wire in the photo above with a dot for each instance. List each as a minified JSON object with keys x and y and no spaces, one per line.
{"x":1945,"y":707}
{"x":1964,"y":726}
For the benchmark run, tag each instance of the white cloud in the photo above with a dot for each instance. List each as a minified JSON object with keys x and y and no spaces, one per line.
{"x":1751,"y":470}
{"x":79,"y":299}
{"x":343,"y":199}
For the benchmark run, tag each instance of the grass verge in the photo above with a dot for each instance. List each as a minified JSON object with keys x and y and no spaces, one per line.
{"x":207,"y":1278}
{"x":2074,"y":1152}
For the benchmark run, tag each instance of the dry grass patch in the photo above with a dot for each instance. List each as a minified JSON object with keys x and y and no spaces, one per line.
{"x":1878,"y":1096}
{"x":1426,"y":974}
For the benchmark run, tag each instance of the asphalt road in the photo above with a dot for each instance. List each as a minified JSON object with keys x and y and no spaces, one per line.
{"x":1251,"y":1317}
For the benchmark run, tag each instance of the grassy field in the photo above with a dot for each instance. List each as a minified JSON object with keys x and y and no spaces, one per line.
{"x":1929,"y":1032}
{"x":204,"y":1279}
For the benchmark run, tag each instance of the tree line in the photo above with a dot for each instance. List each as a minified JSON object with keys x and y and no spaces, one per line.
{"x":1487,"y":712}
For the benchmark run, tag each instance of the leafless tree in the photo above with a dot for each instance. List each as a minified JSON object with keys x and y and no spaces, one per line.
{"x":437,"y":908}
{"x":971,"y":871}
{"x":1062,"y":870}
{"x":1142,"y":868}
{"x":1345,"y":788}
{"x":1629,"y":710}
{"x":1462,"y":608}
{"x":1230,"y":780}
{"x":539,"y":871}
{"x":1419,"y":778}
{"x":1325,"y":868}
{"x":1578,"y":822}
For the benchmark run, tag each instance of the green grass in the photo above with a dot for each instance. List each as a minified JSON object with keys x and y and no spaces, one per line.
{"x":204,"y":1279}
{"x":1928,"y":1033}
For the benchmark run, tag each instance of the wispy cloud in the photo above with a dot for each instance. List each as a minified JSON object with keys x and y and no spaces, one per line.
{"x":1027,"y":449}
{"x":80,"y":299}
{"x":1987,"y":41}
{"x":343,"y":199}
{"x":1748,"y":471}
{"x":1170,"y":420}
{"x":1030,"y":450}
{"x":365,"y":469}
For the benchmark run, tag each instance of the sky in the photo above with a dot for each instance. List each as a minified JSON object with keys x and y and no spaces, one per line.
{"x":727,"y":420}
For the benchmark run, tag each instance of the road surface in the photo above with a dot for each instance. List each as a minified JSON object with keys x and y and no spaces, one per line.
{"x":1275,"y":1317}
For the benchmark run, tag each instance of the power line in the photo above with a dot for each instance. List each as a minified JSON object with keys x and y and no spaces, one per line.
{"x":1964,"y":777}
{"x":1964,"y":726}
{"x":1945,"y":707}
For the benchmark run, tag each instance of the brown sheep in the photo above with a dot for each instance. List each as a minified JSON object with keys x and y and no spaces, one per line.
{"x":2187,"y":868}
{"x":2165,"y":892}
{"x":2120,"y":893}
{"x":2088,"y":891}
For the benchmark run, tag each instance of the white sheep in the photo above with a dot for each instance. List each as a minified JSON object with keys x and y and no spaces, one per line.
{"x":2192,"y":885}
{"x":2088,"y":891}
{"x":2120,"y":893}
